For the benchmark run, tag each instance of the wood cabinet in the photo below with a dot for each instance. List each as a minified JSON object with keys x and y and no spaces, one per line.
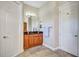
{"x":31,"y":40}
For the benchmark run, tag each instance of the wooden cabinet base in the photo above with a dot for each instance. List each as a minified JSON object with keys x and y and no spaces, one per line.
{"x":32,"y":40}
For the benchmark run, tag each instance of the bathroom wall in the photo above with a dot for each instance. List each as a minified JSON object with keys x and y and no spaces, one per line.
{"x":49,"y":16}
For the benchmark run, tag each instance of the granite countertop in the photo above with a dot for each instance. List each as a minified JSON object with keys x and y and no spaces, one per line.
{"x":33,"y":32}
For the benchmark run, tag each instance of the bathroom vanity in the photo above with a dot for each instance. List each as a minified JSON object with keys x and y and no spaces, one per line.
{"x":32,"y":39}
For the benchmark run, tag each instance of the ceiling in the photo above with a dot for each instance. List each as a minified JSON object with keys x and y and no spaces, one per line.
{"x":36,"y":4}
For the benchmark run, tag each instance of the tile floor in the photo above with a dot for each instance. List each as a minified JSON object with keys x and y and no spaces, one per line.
{"x":41,"y":51}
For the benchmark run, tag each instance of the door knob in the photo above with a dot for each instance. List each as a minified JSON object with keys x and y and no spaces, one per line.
{"x":76,"y":35}
{"x":4,"y":37}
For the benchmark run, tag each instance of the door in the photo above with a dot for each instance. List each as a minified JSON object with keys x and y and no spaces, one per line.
{"x":2,"y":32}
{"x":9,"y":28}
{"x":69,"y":28}
{"x":25,"y":27}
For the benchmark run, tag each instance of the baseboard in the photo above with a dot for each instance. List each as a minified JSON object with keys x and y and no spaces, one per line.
{"x":53,"y":49}
{"x":17,"y":53}
{"x":63,"y":49}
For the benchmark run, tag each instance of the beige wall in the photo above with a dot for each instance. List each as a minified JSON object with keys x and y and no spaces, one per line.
{"x":49,"y":14}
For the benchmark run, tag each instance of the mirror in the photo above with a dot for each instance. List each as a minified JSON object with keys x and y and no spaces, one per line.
{"x":32,"y":21}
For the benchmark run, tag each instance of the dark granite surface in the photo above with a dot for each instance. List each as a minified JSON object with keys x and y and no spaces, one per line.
{"x":33,"y":32}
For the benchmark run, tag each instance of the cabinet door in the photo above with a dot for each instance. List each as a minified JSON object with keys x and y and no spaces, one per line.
{"x":40,"y":39}
{"x":35,"y":38}
{"x":26,"y":41}
{"x":31,"y":41}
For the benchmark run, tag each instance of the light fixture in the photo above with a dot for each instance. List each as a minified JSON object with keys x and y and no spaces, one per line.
{"x":28,"y":14}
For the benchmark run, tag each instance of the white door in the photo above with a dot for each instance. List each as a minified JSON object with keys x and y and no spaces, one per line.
{"x":2,"y":32}
{"x":69,"y":28}
{"x":9,"y":28}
